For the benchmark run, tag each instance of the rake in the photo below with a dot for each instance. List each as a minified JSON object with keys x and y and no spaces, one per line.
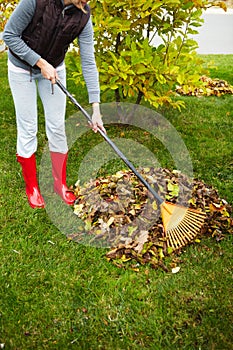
{"x":181,"y":224}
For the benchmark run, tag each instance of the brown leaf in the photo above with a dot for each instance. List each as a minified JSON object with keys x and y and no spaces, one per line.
{"x":141,"y":240}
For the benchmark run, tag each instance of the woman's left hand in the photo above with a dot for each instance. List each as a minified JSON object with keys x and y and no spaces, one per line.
{"x":97,"y":118}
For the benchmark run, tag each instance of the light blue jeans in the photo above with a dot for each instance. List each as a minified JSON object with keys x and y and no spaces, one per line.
{"x":24,"y":88}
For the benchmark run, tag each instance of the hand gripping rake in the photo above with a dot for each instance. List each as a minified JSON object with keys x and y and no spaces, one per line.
{"x":181,"y":224}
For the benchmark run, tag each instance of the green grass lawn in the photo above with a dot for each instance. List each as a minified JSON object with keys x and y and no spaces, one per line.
{"x":57,"y":294}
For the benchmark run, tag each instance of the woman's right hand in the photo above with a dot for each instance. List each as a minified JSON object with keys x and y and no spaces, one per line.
{"x":47,"y":70}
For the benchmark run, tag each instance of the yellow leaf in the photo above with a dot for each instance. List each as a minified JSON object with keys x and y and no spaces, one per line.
{"x":88,"y":225}
{"x":124,"y":259}
{"x":161,"y":255}
{"x":110,"y":221}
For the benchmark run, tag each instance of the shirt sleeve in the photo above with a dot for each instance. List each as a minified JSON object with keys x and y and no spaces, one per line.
{"x":12,"y":35}
{"x":89,"y":68}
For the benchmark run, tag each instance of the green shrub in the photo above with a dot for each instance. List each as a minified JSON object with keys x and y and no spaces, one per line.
{"x":128,"y":62}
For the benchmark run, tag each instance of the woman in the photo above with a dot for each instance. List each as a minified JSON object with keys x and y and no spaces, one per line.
{"x":38,"y":34}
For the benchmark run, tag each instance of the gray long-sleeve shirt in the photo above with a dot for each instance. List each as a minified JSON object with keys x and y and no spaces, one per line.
{"x":19,"y":21}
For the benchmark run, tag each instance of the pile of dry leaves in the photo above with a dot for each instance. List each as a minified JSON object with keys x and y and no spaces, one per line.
{"x":118,"y":211}
{"x":211,"y":87}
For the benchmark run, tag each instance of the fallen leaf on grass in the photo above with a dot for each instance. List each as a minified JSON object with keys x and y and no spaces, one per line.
{"x":216,"y":87}
{"x":175,"y":269}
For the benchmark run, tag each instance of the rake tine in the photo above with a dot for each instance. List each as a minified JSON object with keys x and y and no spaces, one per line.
{"x":186,"y":225}
{"x":177,"y":242}
{"x":182,"y":234}
{"x":186,"y":230}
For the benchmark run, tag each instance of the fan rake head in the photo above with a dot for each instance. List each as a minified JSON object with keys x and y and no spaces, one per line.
{"x":181,"y":224}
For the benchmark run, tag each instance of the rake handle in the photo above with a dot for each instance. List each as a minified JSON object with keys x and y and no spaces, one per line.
{"x":111,"y":143}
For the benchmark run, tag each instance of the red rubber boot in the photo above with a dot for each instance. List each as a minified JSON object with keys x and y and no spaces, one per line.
{"x":28,"y":165}
{"x":59,"y":161}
